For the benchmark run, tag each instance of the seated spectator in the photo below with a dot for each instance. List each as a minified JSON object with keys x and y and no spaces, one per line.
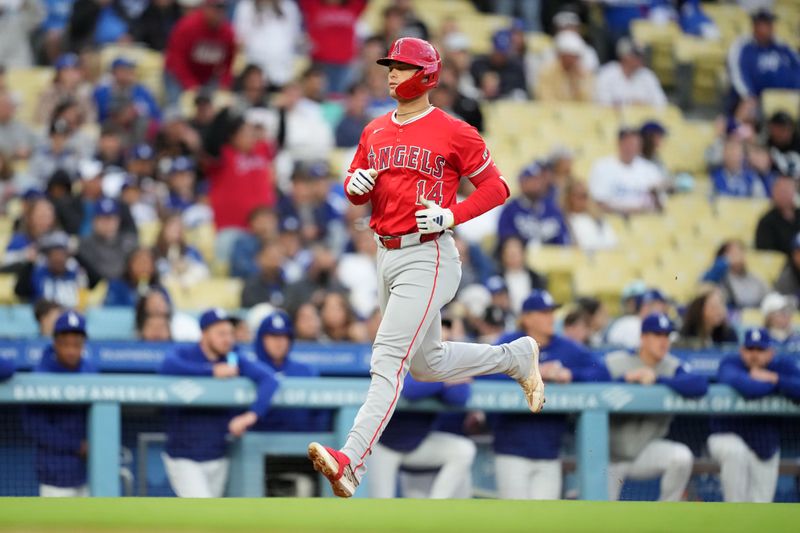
{"x":199,"y":51}
{"x":240,"y":179}
{"x":626,"y":183}
{"x":308,"y":325}
{"x":104,"y":251}
{"x":176,"y":261}
{"x":19,"y":20}
{"x":195,"y":451}
{"x":357,"y":271}
{"x":588,"y":226}
{"x":141,"y":207}
{"x":95,"y":23}
{"x":268,"y":284}
{"x":111,"y":148}
{"x":339,"y":321}
{"x":411,"y":440}
{"x":182,"y":197}
{"x":597,"y":312}
{"x":37,"y":221}
{"x":694,"y":21}
{"x":56,"y":275}
{"x":155,"y":24}
{"x":566,"y":79}
{"x":576,"y":326}
{"x":534,"y":216}
{"x":52,"y":31}
{"x":626,"y":330}
{"x":139,"y":278}
{"x":568,"y":20}
{"x":735,"y":177}
{"x":58,"y":151}
{"x":60,"y":432}
{"x":68,"y":85}
{"x":777,"y":310}
{"x":534,"y":472}
{"x":749,"y":447}
{"x":783,"y":143}
{"x":788,"y":282}
{"x":252,"y":90}
{"x":760,"y":62}
{"x":653,"y":134}
{"x":123,"y":87}
{"x":176,"y":137}
{"x":502,"y":63}
{"x":460,"y":105}
{"x":456,"y":50}
{"x":16,"y":139}
{"x":705,"y":323}
{"x":12,"y":183}
{"x":46,"y":312}
{"x":776,"y":230}
{"x":269,"y":33}
{"x":319,"y":279}
{"x":204,"y":111}
{"x":182,"y":326}
{"x":627,"y":81}
{"x":263,"y":227}
{"x":637,"y":443}
{"x":476,"y":265}
{"x":519,"y":279}
{"x":153,"y":328}
{"x":355,"y":118}
{"x":740,"y":287}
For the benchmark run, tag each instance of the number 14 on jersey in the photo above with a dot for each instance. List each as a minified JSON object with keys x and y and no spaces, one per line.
{"x":434,"y":194}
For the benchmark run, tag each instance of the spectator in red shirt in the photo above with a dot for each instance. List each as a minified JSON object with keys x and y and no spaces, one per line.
{"x":331,"y":29}
{"x":200,"y":51}
{"x":240,"y":179}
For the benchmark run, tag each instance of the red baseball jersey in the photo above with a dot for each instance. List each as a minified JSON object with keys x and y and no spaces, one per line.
{"x":425,"y":156}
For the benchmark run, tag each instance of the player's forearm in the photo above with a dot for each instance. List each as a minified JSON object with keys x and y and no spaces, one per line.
{"x":488,"y":195}
{"x":265,"y":390}
{"x":689,"y":385}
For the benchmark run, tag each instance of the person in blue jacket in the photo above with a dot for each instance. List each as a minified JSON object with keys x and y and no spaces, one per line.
{"x":123,"y":86}
{"x":410,"y":441}
{"x":195,"y":451}
{"x":59,"y":432}
{"x":760,"y":62}
{"x":534,"y":215}
{"x":526,"y":447}
{"x":748,"y":448}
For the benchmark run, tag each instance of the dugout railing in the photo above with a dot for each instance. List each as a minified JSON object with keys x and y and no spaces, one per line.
{"x":591,"y":403}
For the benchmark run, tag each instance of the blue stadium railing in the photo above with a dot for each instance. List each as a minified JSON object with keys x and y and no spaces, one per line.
{"x":592,"y":403}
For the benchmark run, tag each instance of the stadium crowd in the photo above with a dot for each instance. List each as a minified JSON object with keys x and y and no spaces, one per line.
{"x":225,"y":167}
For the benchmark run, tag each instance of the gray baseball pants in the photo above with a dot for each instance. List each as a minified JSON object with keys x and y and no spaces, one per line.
{"x":414,"y":283}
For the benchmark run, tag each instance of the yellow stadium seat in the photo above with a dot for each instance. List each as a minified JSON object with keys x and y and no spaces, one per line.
{"x":148,"y":233}
{"x":27,"y":84}
{"x":202,"y":237}
{"x":547,"y":259}
{"x":751,"y":318}
{"x":773,"y":100}
{"x":225,"y":293}
{"x":7,"y":282}
{"x":767,"y":265}
{"x":149,"y":64}
{"x":660,"y":39}
{"x":94,"y":297}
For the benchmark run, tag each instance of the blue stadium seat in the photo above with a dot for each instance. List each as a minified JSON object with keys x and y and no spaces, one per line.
{"x":17,"y":321}
{"x":111,"y":323}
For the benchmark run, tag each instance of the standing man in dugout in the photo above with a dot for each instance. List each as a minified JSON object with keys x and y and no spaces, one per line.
{"x":748,"y":447}
{"x":196,"y":437}
{"x":59,"y":432}
{"x":637,"y":444}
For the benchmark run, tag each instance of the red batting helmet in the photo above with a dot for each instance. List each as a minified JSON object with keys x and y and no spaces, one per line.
{"x":421,"y":54}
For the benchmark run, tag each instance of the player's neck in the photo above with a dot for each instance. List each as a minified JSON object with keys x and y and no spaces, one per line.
{"x":409,"y":109}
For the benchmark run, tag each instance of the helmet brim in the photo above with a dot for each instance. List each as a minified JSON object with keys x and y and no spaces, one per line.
{"x":388,"y":61}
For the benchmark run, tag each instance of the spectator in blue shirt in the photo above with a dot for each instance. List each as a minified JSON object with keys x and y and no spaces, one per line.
{"x":123,"y":87}
{"x":59,"y":432}
{"x":55,"y":276}
{"x":748,"y":448}
{"x":533,"y":215}
{"x":355,"y":118}
{"x":263,"y":227}
{"x":410,"y":441}
{"x":38,"y":220}
{"x":53,"y":27}
{"x":760,"y":62}
{"x":139,"y":278}
{"x":526,"y":471}
{"x":735,"y":177}
{"x":195,"y":451}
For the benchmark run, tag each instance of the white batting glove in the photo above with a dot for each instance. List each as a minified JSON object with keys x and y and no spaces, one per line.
{"x":362,"y":181}
{"x":434,"y":218}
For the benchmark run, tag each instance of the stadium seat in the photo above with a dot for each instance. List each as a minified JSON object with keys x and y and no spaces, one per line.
{"x":27,"y":84}
{"x":660,"y":39}
{"x":18,"y":321}
{"x":767,"y":265}
{"x":202,"y":237}
{"x":149,"y":64}
{"x":148,"y":233}
{"x":225,"y":293}
{"x":96,"y":296}
{"x":773,"y":100}
{"x":750,"y":318}
{"x":7,"y":282}
{"x":111,"y":323}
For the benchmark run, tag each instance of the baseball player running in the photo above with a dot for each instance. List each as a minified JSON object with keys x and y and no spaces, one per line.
{"x":408,"y":164}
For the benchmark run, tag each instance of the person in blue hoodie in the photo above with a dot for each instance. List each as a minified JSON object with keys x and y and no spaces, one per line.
{"x":637,"y":443}
{"x":748,"y":448}
{"x":196,"y":438}
{"x":59,"y":432}
{"x":526,"y":447}
{"x":410,"y":440}
{"x":287,"y":476}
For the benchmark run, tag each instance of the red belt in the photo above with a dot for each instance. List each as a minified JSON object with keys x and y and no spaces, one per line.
{"x":394,"y":243}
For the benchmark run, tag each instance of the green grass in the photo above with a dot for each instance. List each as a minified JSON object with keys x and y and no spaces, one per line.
{"x":274,"y":515}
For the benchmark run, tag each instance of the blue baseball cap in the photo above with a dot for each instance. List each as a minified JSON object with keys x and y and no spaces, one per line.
{"x":180,"y":164}
{"x":70,"y":322}
{"x":123,"y":62}
{"x":67,"y":61}
{"x":53,"y":240}
{"x":143,"y":152}
{"x":653,"y":295}
{"x":757,"y":339}
{"x":32,"y":193}
{"x":533,"y":170}
{"x":539,"y":301}
{"x":212,"y":316}
{"x":106,"y":207}
{"x":653,"y":126}
{"x":501,"y":41}
{"x":657,"y":323}
{"x":496,"y":284}
{"x":276,"y":323}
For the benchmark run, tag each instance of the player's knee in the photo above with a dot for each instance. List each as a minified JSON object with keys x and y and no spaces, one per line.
{"x":681,"y":457}
{"x":724,"y":448}
{"x":463,"y":451}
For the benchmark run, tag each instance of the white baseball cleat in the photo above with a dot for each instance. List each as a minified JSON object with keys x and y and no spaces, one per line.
{"x":335,"y":466}
{"x":533,"y":386}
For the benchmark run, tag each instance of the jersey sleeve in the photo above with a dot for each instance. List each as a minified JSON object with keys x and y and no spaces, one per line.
{"x":471,"y":156}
